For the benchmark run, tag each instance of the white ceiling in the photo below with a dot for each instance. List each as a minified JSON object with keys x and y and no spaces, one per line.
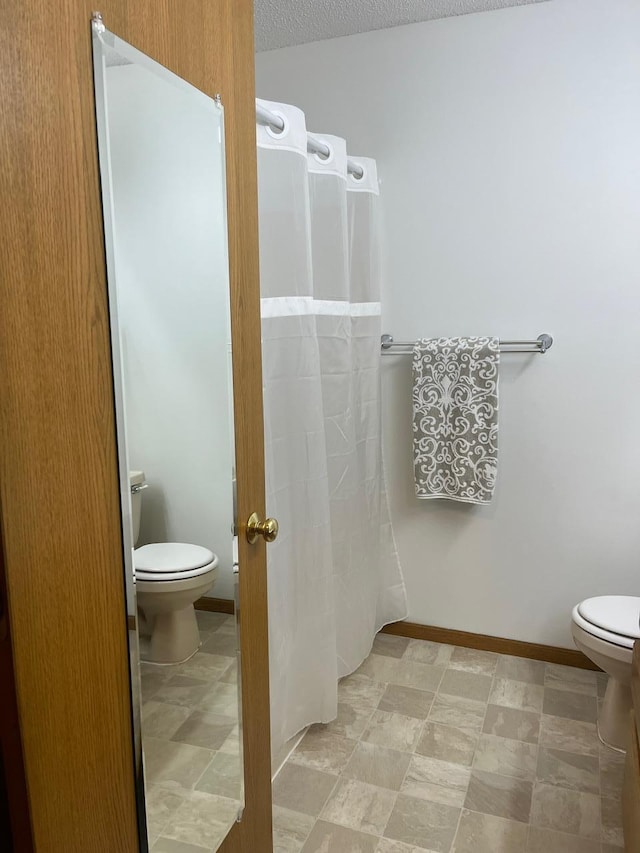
{"x":281,"y":23}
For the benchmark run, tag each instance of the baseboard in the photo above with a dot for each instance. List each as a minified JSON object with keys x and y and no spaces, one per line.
{"x":215,"y":605}
{"x":536,"y":651}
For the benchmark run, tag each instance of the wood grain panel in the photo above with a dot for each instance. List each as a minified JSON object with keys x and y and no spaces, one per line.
{"x":59,"y":491}
{"x":58,"y":469}
{"x":535,"y":651}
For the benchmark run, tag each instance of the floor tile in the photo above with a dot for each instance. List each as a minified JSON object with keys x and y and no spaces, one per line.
{"x":208,"y":667}
{"x":425,"y":651}
{"x":350,"y":722}
{"x":507,"y":757}
{"x":520,"y":669}
{"x":231,"y":675}
{"x":359,"y":806}
{"x":386,"y":845}
{"x":431,"y":826}
{"x":473,"y":660}
{"x":182,"y":690}
{"x":378,"y":765}
{"x":170,"y":845}
{"x":407,"y":672}
{"x":406,"y":700}
{"x":208,"y":622}
{"x":221,"y":699}
{"x":174,"y":764}
{"x":390,"y":645}
{"x":330,"y":838}
{"x":222,"y":777}
{"x":290,"y":830}
{"x":512,"y":723}
{"x":490,"y":793}
{"x":323,"y":750}
{"x":549,"y":841}
{"x":302,"y":789}
{"x":161,"y":720}
{"x":482,"y":833}
{"x":467,"y":684}
{"x":572,"y":735}
{"x":437,"y":781}
{"x":569,"y":770}
{"x":409,"y":721}
{"x":232,"y":743}
{"x":458,"y":712}
{"x":160,"y":805}
{"x":566,"y":811}
{"x":152,"y":677}
{"x":360,"y":691}
{"x":447,"y":743}
{"x":220,"y":643}
{"x":208,"y":731}
{"x":612,"y":821}
{"x":571,"y":678}
{"x":516,"y":694}
{"x":574,"y":706}
{"x":611,"y":772}
{"x":394,"y":731}
{"x":202,"y":820}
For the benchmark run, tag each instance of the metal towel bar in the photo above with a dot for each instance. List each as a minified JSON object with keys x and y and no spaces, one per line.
{"x":541,"y":344}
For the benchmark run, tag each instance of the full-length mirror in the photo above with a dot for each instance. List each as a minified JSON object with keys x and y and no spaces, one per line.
{"x":161,"y":148}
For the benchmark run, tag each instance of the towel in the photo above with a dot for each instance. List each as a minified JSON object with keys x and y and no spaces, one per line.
{"x":455,"y":418}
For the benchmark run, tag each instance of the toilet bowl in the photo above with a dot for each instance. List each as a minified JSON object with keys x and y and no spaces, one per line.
{"x":169,"y":578}
{"x":605,"y":629}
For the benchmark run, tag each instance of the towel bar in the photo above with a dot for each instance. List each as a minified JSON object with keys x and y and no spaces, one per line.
{"x":541,"y":344}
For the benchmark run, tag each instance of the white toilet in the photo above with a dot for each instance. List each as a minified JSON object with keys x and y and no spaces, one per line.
{"x":169,"y":576}
{"x":605,"y":629}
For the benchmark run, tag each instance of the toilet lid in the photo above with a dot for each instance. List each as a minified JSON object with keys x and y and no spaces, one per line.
{"x":163,"y":558}
{"x":616,"y":614}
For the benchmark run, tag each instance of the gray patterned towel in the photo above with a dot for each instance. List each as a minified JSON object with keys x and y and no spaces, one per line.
{"x":455,"y":418}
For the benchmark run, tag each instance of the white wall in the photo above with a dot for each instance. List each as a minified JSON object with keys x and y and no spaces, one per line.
{"x":173,"y":304}
{"x":508,"y":144}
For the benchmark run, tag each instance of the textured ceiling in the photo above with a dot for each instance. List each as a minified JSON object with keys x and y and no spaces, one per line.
{"x":281,"y":23}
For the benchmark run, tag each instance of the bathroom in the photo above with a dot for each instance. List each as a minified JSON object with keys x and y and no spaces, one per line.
{"x":498,"y":146}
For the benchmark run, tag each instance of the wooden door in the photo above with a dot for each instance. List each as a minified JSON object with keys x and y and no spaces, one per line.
{"x":58,"y":456}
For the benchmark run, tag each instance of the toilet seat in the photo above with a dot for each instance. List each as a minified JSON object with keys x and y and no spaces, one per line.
{"x":169,"y":561}
{"x":612,"y":618}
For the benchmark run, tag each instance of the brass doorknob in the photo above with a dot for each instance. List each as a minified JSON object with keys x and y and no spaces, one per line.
{"x":268,"y":528}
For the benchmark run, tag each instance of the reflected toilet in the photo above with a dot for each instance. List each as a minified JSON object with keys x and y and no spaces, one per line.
{"x":169,"y":578}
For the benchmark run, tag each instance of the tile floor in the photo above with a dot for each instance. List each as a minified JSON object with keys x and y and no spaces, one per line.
{"x":439,"y":749}
{"x":191,"y":743}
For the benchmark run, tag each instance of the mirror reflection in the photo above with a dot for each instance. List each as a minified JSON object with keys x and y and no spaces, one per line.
{"x":161,"y":147}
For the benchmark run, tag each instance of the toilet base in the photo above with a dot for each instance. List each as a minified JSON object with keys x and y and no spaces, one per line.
{"x":169,"y":617}
{"x":613,"y":718}
{"x":174,"y":637}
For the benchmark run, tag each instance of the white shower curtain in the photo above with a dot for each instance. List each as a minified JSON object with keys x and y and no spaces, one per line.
{"x":334,"y":576}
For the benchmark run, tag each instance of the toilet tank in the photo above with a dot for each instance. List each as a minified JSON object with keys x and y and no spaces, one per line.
{"x":136,"y":479}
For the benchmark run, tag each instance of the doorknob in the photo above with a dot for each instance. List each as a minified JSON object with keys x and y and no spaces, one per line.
{"x":268,"y":528}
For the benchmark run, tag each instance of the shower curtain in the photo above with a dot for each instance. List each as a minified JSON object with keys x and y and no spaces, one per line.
{"x":333,"y":574}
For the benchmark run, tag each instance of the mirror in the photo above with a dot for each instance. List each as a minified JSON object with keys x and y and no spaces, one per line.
{"x":161,"y":151}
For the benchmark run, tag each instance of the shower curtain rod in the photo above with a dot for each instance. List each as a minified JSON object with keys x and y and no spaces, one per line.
{"x":314,"y":146}
{"x":541,"y":345}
